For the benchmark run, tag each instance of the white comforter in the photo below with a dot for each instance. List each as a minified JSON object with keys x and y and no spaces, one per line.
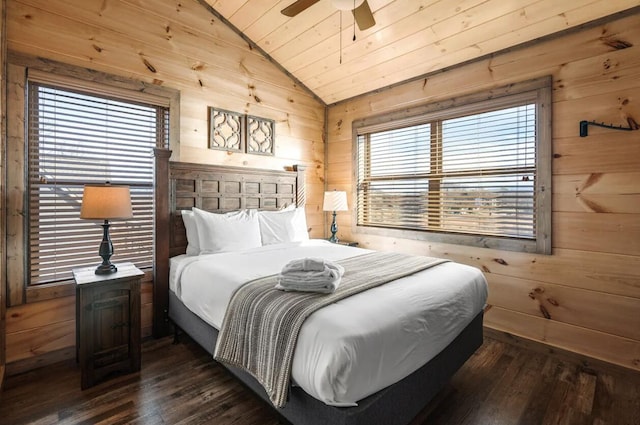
{"x":357,"y":346}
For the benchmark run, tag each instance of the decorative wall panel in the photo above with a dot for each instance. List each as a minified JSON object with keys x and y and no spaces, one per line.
{"x":260,"y":135}
{"x":226,"y":130}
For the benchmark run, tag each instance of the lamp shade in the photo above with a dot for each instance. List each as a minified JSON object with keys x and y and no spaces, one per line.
{"x":335,"y":201}
{"x":106,"y":202}
{"x":346,"y":4}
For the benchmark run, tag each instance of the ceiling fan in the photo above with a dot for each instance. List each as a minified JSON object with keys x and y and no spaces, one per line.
{"x":360,"y":8}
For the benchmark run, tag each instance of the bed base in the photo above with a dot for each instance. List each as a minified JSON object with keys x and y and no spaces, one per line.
{"x":397,"y":404}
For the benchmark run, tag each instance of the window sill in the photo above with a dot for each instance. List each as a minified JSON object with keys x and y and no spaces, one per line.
{"x":480,"y":241}
{"x":50,"y":291}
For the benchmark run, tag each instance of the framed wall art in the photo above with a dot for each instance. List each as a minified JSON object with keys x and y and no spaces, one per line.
{"x":226,"y":130}
{"x":260,"y":135}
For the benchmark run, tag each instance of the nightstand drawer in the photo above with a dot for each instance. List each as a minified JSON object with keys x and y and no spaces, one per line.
{"x":109,"y":324}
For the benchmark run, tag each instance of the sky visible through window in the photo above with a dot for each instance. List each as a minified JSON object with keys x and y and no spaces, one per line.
{"x":492,"y":140}
{"x":81,"y":129}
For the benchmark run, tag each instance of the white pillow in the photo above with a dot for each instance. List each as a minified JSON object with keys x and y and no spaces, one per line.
{"x":193,"y":243}
{"x":227,"y":232}
{"x":283,"y":226}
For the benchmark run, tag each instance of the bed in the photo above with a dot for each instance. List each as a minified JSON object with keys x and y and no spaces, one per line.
{"x":221,"y":189}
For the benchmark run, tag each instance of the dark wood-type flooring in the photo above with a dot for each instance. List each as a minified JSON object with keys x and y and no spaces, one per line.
{"x":502,"y":384}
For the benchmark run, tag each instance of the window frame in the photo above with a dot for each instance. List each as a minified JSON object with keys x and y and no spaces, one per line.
{"x":39,"y":94}
{"x":18,"y":67}
{"x":538,"y":89}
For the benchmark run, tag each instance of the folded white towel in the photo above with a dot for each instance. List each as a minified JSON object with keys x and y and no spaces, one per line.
{"x":294,"y":277}
{"x":308,"y":264}
{"x":294,"y":284}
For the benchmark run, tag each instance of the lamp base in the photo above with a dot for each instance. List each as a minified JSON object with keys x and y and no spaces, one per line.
{"x":106,"y":251}
{"x":334,"y":229}
{"x":106,"y":269}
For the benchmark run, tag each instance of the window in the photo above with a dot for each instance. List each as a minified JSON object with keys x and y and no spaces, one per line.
{"x":476,"y":172}
{"x":77,"y":137}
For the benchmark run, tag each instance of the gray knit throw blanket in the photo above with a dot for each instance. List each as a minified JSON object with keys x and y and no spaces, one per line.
{"x":261,"y":326}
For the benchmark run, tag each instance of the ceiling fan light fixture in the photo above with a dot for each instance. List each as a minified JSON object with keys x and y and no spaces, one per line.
{"x":346,"y":4}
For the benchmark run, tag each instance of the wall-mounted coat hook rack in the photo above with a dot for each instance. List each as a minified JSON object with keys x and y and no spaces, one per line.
{"x":633,"y":125}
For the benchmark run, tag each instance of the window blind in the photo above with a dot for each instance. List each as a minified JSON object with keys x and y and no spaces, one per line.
{"x":472,"y":174}
{"x":76,"y":138}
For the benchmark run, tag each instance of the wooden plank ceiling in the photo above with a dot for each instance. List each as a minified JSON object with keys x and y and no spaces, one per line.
{"x":411,"y":38}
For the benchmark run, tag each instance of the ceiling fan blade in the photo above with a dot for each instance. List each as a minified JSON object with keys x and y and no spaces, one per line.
{"x":363,"y":16}
{"x":298,"y":6}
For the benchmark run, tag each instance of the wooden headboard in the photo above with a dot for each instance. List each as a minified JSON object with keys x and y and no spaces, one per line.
{"x":214,"y":188}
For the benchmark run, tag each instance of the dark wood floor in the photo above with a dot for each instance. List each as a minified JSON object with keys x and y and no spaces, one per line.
{"x":180,"y":384}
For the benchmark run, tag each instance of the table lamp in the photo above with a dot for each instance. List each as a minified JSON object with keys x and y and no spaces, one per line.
{"x":334,"y":201}
{"x":106,"y":202}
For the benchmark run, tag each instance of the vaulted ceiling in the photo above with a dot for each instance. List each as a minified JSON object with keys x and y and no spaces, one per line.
{"x":411,"y":38}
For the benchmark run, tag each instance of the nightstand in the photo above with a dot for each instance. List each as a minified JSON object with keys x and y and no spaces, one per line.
{"x":107,"y":322}
{"x":346,"y":243}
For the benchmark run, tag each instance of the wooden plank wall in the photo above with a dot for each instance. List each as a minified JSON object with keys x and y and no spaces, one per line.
{"x":172,"y":44}
{"x":590,"y":285}
{"x":3,"y":223}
